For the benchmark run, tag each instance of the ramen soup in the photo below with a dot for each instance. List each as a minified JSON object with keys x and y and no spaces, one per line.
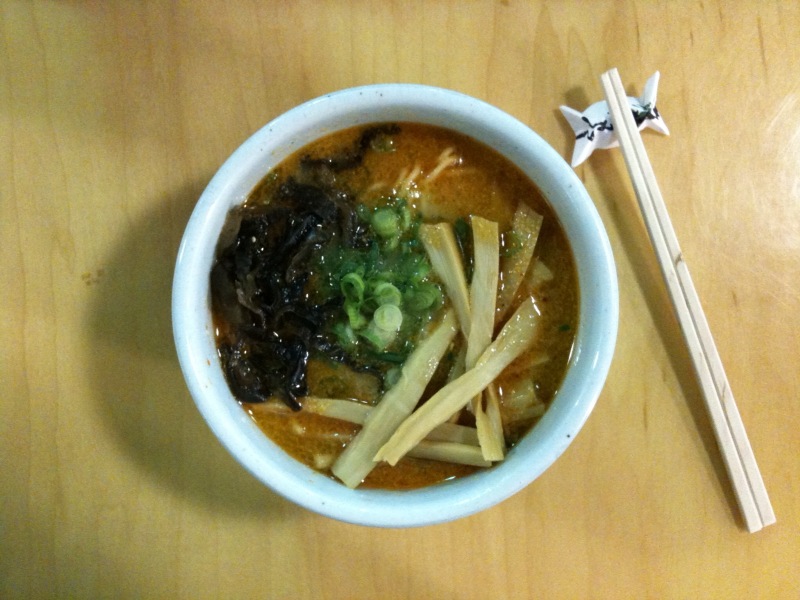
{"x":395,"y":305}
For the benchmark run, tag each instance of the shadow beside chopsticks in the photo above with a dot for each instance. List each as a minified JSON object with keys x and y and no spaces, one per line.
{"x":623,"y":209}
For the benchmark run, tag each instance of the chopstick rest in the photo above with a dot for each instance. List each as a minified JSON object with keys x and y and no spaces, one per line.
{"x":594,"y":130}
{"x":729,"y":430}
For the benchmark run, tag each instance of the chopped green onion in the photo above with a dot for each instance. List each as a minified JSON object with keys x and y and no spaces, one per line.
{"x":379,"y":338}
{"x":353,"y":287}
{"x":420,"y":269}
{"x":363,"y":212}
{"x":357,"y":320}
{"x":388,"y":317}
{"x":345,"y":334}
{"x":405,"y":216}
{"x":422,"y":297}
{"x":383,"y":328}
{"x":386,"y":223}
{"x":391,"y":270}
{"x":386,"y":293}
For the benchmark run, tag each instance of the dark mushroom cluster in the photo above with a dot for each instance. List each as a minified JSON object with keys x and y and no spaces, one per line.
{"x":272,"y":325}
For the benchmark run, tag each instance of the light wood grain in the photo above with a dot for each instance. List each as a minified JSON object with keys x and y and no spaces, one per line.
{"x":114,"y":116}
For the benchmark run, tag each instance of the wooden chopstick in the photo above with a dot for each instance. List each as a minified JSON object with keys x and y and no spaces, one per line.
{"x":727,"y":423}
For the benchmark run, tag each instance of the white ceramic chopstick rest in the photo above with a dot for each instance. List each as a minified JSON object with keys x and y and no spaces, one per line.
{"x":594,"y":129}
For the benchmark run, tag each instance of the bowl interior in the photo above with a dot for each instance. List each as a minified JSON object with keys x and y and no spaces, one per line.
{"x":595,"y":337}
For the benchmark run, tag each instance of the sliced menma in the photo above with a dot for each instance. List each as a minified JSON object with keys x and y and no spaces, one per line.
{"x":482,"y":299}
{"x":515,"y":337}
{"x":442,"y":249}
{"x":355,"y":463}
{"x":357,"y":412}
{"x":523,"y":237}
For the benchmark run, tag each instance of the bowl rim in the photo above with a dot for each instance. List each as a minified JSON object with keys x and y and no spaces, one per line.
{"x":595,"y":338}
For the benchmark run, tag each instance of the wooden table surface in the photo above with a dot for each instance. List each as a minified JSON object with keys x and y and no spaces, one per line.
{"x":114,"y":115}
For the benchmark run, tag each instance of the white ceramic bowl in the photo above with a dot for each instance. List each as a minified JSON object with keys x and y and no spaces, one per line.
{"x":595,"y":337}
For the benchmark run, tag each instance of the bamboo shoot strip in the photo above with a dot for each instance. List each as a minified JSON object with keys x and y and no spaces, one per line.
{"x":482,"y":298}
{"x":355,"y":462}
{"x":483,"y":288}
{"x":356,"y":412}
{"x":456,"y":444}
{"x":447,"y":443}
{"x":336,"y":408}
{"x":520,"y":244}
{"x":490,"y":434}
{"x":515,"y":337}
{"x":452,"y":432}
{"x":450,"y":452}
{"x":456,"y":371}
{"x":727,"y":423}
{"x":442,"y":249}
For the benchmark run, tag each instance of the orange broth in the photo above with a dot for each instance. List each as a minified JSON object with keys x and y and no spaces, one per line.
{"x":484,"y":183}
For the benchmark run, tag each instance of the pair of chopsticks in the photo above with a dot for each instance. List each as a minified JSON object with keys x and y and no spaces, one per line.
{"x":727,"y":423}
